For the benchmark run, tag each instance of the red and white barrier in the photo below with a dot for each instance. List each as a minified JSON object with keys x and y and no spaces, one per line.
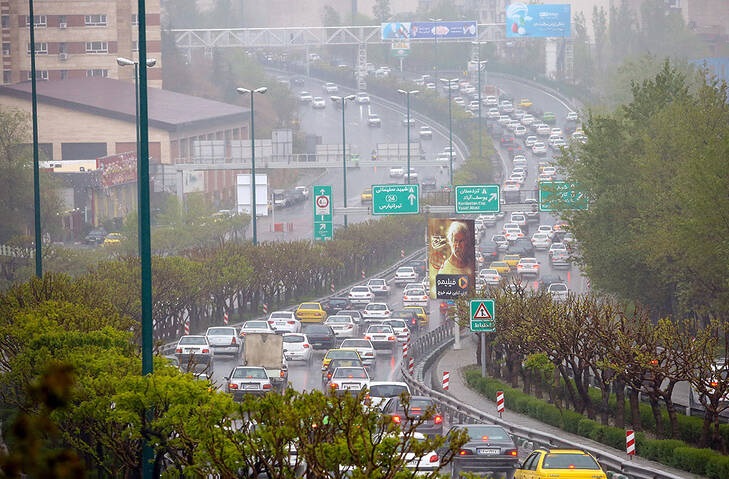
{"x":331,"y":288}
{"x":411,"y":365}
{"x":363,"y":274}
{"x":446,"y":380}
{"x":225,"y":318}
{"x":405,"y":347}
{"x":265,"y":308}
{"x":630,"y":442}
{"x":187,"y":328}
{"x":402,"y":253}
{"x":500,"y":402}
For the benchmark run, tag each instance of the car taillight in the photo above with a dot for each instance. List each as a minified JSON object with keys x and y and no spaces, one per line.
{"x":242,"y":333}
{"x":282,"y":373}
{"x":290,"y":322}
{"x":329,"y":375}
{"x":368,"y":337}
{"x":267,"y":386}
{"x":512,"y":452}
{"x":433,"y":458}
{"x":306,"y":345}
{"x":178,"y":350}
{"x":391,"y":338}
{"x":438,"y":419}
{"x":350,"y":326}
{"x":465,"y":452}
{"x":270,"y":322}
{"x":396,"y":419}
{"x":206,"y":351}
{"x":233,"y":340}
{"x":232,"y":386}
{"x":334,"y":385}
{"x":714,"y":384}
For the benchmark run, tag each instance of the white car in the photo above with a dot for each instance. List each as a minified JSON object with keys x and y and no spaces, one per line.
{"x":519,"y":161}
{"x":519,"y":218}
{"x":381,"y":391}
{"x":541,"y":241}
{"x":527,"y":119}
{"x":360,"y":295}
{"x":490,"y":100}
{"x":511,"y":185}
{"x":397,"y":171}
{"x":363,"y":98}
{"x":557,"y":247}
{"x":546,"y":229}
{"x":376,"y":311}
{"x":364,"y":348}
{"x":297,"y":347}
{"x":425,"y":132}
{"x":405,"y":274}
{"x":572,"y":116}
{"x":256,"y":326}
{"x":284,"y":322}
{"x":305,"y":97}
{"x":559,"y":291}
{"x":520,"y":131}
{"x":223,"y":339}
{"x":500,"y":240}
{"x":489,"y":276}
{"x":400,"y":327}
{"x":513,"y":233}
{"x":330,"y":87}
{"x":528,"y":266}
{"x":382,"y":336}
{"x":530,"y":140}
{"x":349,"y":378}
{"x":543,"y":129}
{"x":373,"y":120}
{"x":493,"y":114}
{"x":539,"y":148}
{"x":318,"y":103}
{"x":415,"y":297}
{"x":342,"y":325}
{"x":379,"y":286}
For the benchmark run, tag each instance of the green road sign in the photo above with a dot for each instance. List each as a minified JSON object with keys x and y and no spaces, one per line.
{"x":477,"y":199}
{"x":560,"y":195}
{"x":322,"y":203}
{"x":395,"y":199}
{"x":483,"y":316}
{"x":323,"y":230}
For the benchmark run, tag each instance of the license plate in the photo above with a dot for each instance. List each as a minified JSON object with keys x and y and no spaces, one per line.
{"x":250,"y":386}
{"x":190,"y":350}
{"x":488,"y":451}
{"x":351,"y":386}
{"x":379,"y":338}
{"x":280,"y":324}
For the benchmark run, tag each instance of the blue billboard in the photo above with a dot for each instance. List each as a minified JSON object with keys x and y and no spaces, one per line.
{"x":537,"y":21}
{"x":428,"y":30}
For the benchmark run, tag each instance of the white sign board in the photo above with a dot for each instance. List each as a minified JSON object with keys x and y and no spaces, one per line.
{"x":244,"y":193}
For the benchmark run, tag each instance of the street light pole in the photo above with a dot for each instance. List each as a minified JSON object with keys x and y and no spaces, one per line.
{"x":246,"y":91}
{"x":479,"y":63}
{"x":450,"y":82}
{"x":343,"y":100}
{"x":435,"y":38}
{"x":407,"y":95}
{"x":36,"y":153}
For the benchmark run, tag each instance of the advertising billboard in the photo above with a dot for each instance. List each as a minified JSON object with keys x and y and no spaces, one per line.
{"x":428,"y":30}
{"x":537,"y":21}
{"x":451,"y":257}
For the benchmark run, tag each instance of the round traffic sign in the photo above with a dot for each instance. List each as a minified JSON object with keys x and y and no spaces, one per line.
{"x":322,"y":201}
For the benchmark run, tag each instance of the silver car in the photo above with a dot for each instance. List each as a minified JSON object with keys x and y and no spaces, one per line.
{"x":244,"y":380}
{"x":224,"y":339}
{"x":194,"y":354}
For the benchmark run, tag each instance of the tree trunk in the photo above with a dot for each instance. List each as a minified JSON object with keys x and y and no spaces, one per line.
{"x":635,"y":410}
{"x":620,"y":404}
{"x":657,"y":416}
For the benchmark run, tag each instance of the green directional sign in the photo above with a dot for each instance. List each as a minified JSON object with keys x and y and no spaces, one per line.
{"x":477,"y":199}
{"x":323,"y":230}
{"x":395,"y":199}
{"x":561,"y":195}
{"x":483,"y":316}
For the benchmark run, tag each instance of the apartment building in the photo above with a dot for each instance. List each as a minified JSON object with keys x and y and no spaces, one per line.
{"x":77,"y":39}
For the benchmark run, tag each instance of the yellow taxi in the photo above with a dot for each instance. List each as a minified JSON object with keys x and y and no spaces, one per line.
{"x":525,"y":103}
{"x":420,"y":311}
{"x":501,"y":266}
{"x":512,"y":260}
{"x":113,"y":239}
{"x":366,"y":196}
{"x":311,"y":313}
{"x":563,"y":463}
{"x":339,"y":354}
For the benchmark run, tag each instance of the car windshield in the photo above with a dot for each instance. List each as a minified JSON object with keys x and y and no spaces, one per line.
{"x":341,"y":354}
{"x":487,"y":433}
{"x":376,"y":307}
{"x":280,"y":315}
{"x":569,"y":461}
{"x":357,"y":373}
{"x":356,"y":343}
{"x":387,"y":390}
{"x":316,"y":328}
{"x":377,"y":282}
{"x":360,"y":289}
{"x":339,"y":319}
{"x":193,"y":340}
{"x":221,"y":332}
{"x":397,"y":324}
{"x":255,"y":325}
{"x":557,"y":287}
{"x":293,"y":338}
{"x":379,"y":328}
{"x":249,"y":373}
{"x":309,"y":306}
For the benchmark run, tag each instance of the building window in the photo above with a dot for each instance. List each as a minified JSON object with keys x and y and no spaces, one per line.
{"x":64,"y":74}
{"x":135,"y":19}
{"x":6,"y":48}
{"x":39,"y":21}
{"x":5,"y":21}
{"x":97,"y":47}
{"x":39,"y":75}
{"x":135,"y":46}
{"x":98,"y":72}
{"x":95,"y":20}
{"x":7,"y":76}
{"x":62,"y":47}
{"x":41,"y":48}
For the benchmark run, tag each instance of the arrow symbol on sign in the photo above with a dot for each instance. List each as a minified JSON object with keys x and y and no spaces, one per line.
{"x":411,"y":197}
{"x":323,"y":227}
{"x":321,"y":192}
{"x":493,"y":197}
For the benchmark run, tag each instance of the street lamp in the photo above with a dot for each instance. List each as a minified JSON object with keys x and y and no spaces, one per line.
{"x":407,"y":95}
{"x":435,"y":37}
{"x":450,"y":82}
{"x":343,"y":100}
{"x":246,"y":91}
{"x":125,"y":62}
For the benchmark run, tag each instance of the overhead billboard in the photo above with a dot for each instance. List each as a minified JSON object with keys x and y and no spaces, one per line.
{"x":429,"y":30}
{"x":538,"y":21}
{"x":451,"y":257}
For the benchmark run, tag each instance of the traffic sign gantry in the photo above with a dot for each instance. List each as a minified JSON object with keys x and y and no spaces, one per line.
{"x":556,"y":195}
{"x":395,"y":199}
{"x":477,"y":199}
{"x":323,"y":216}
{"x":483,"y":316}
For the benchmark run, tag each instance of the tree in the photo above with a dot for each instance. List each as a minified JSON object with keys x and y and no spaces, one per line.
{"x":381,"y":10}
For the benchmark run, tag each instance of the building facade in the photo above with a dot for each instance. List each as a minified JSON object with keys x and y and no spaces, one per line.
{"x":77,"y":39}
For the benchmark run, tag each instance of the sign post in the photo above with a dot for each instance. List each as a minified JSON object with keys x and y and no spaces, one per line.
{"x":483,"y":317}
{"x":323,"y":217}
{"x":395,"y":199}
{"x":478,"y":199}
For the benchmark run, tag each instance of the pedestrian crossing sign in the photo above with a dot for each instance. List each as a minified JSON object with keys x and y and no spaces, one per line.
{"x":483,"y":317}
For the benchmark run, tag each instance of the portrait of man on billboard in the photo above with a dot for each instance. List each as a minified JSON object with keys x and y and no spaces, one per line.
{"x":451,"y":257}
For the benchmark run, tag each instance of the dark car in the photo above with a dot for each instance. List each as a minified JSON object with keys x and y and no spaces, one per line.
{"x":489,"y":449}
{"x":489,"y":250}
{"x":421,"y":411}
{"x":523,"y":247}
{"x":420,"y":266}
{"x":429,"y":183}
{"x":95,"y":236}
{"x":407,"y":315}
{"x":320,"y":336}
{"x":335,"y":304}
{"x":546,"y":279}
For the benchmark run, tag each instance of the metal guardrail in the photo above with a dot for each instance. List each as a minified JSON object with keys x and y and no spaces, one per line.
{"x":426,"y":350}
